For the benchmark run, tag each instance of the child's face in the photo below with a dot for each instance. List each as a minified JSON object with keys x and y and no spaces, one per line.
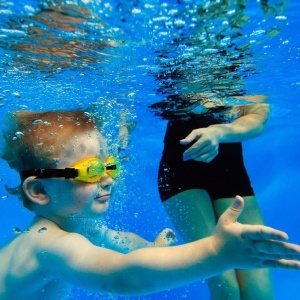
{"x":73,"y":198}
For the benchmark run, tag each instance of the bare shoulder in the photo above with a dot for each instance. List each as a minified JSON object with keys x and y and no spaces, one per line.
{"x":57,"y":256}
{"x":20,"y":264}
{"x":30,"y":258}
{"x":40,"y":240}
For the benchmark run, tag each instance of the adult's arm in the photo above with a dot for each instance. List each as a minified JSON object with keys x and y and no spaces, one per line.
{"x":251,"y":122}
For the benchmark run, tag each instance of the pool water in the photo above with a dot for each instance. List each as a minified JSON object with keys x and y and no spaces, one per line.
{"x":116,"y":57}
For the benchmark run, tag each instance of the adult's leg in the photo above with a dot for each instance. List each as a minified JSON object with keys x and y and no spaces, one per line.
{"x":193,"y":216}
{"x":254,"y":284}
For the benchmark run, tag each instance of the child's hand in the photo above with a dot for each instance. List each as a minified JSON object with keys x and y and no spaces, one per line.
{"x":166,"y":238}
{"x":252,"y":246}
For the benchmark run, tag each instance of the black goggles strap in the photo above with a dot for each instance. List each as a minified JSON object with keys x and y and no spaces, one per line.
{"x":49,"y":173}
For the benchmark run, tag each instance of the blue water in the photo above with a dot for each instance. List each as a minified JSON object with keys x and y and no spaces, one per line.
{"x":120,"y":78}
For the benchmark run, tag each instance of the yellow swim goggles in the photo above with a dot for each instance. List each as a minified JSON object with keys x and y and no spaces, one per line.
{"x":88,"y":170}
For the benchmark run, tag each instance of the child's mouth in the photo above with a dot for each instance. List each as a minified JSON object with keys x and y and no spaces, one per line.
{"x":103,"y":198}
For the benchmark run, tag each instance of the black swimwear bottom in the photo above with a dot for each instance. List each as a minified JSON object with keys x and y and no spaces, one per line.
{"x":224,"y":177}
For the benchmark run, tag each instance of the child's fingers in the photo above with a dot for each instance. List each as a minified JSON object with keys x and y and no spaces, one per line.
{"x":282,"y":263}
{"x":233,"y":212}
{"x":275,"y":250}
{"x":262,"y":233}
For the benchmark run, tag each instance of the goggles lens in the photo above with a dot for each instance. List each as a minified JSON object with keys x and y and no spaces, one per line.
{"x":92,"y":169}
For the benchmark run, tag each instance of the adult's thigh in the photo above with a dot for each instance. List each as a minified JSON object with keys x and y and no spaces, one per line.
{"x":192,"y":214}
{"x":251,"y":213}
{"x":254,"y":284}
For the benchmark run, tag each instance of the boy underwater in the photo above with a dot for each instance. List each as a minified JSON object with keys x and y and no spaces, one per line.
{"x":67,"y":177}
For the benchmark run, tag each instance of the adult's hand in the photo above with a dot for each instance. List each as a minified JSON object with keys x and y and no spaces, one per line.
{"x":206,"y":144}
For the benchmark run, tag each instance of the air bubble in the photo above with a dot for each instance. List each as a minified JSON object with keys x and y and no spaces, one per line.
{"x":36,"y":122}
{"x":16,"y":94}
{"x":17,"y":230}
{"x":19,"y":134}
{"x":43,"y":229}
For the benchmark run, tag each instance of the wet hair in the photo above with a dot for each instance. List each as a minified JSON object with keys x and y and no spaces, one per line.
{"x":35,"y":139}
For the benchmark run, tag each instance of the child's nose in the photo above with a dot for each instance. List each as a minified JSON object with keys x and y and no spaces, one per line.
{"x":106,"y":181}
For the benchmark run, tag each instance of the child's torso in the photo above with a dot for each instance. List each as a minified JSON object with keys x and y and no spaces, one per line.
{"x":22,"y":276}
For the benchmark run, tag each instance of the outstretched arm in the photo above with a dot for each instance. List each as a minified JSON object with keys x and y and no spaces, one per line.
{"x":251,"y":123}
{"x":125,"y":242}
{"x":75,"y":260}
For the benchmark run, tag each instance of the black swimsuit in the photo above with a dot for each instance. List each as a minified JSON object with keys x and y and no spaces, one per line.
{"x":224,"y":177}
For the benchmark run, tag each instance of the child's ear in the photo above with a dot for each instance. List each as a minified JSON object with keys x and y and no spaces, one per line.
{"x":34,"y":190}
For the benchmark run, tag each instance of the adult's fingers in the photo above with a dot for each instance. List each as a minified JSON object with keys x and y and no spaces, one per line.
{"x":189,"y":138}
{"x":198,"y":148}
{"x":206,"y":157}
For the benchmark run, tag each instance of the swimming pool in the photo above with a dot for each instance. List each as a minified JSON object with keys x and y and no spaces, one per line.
{"x":113,"y":63}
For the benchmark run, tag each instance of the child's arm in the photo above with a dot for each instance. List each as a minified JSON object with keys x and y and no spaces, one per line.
{"x":74,"y":259}
{"x":125,"y":242}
